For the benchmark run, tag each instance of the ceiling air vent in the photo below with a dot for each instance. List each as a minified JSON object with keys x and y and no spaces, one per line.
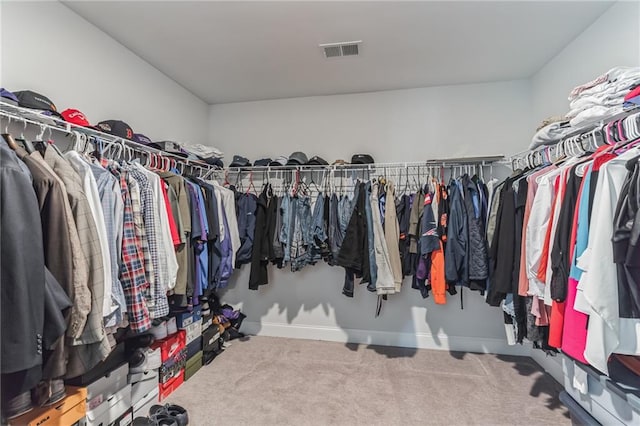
{"x":344,"y":48}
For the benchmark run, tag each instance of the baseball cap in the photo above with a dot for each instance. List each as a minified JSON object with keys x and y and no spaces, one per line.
{"x":140,"y":138}
{"x":33,"y":100}
{"x":171,"y":147}
{"x":262,"y":162}
{"x":74,"y":116}
{"x":362,"y":159}
{"x":317,"y":161}
{"x":339,"y":162}
{"x":297,"y":159}
{"x":8,"y":97}
{"x":240,"y":161}
{"x":116,"y":128}
{"x":279,"y":161}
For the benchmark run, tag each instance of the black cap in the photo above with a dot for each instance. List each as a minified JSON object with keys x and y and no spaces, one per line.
{"x":263,"y":162}
{"x":33,"y":100}
{"x":240,"y":161}
{"x":116,"y":128}
{"x":362,"y":159}
{"x":214,"y":161}
{"x":317,"y":161}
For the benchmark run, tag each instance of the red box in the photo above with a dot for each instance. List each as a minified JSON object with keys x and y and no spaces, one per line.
{"x":167,"y":389}
{"x":171,"y":345}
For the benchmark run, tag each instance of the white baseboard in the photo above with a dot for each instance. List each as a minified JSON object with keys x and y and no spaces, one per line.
{"x":386,"y":338}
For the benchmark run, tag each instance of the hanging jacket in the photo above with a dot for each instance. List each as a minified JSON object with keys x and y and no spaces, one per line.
{"x":226,"y":249}
{"x":392,"y":235}
{"x":414,"y":221}
{"x":478,"y":258}
{"x":502,"y":246}
{"x":247,"y":205}
{"x":626,"y":246}
{"x":519,"y":302}
{"x":457,"y":251}
{"x":384,"y":281}
{"x":261,"y":242}
{"x":273,"y":213}
{"x":352,"y":251}
{"x":277,"y":254}
{"x":336,"y":237}
{"x":403,"y":211}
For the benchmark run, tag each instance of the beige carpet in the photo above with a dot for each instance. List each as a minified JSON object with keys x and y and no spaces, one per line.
{"x":276,"y":381}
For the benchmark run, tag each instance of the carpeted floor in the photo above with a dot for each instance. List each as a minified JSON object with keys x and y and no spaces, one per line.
{"x":269,"y":381}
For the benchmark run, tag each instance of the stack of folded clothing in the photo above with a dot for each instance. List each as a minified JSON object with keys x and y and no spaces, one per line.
{"x":550,"y":131}
{"x":603,"y":97}
{"x":208,"y":154}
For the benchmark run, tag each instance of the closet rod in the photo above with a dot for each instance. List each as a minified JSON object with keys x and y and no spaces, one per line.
{"x":30,"y":117}
{"x":446,"y":162}
{"x":523,"y":157}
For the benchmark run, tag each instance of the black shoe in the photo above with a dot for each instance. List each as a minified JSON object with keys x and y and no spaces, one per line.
{"x":175,"y":412}
{"x":19,"y":405}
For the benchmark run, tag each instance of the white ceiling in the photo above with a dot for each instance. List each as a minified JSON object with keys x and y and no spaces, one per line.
{"x":241,"y":51}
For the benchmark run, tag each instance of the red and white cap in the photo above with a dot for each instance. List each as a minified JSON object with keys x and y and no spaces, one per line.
{"x":74,"y":116}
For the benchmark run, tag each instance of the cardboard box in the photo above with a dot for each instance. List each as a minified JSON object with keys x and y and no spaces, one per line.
{"x":186,"y":318}
{"x":106,"y":386}
{"x":168,"y":388}
{"x":193,"y":331}
{"x":66,"y":412}
{"x":142,"y":407}
{"x":194,"y":347}
{"x":145,"y":382}
{"x":193,"y":365}
{"x":111,"y":409}
{"x":171,"y":345}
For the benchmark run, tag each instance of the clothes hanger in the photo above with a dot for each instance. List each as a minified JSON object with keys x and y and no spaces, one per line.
{"x":10,"y":141}
{"x":28,"y":146}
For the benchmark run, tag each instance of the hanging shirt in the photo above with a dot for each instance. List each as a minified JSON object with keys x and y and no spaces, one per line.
{"x":199,"y":226}
{"x":168,"y":270}
{"x":132,"y":276}
{"x":113,"y":211}
{"x":607,"y":332}
{"x":179,"y":199}
{"x":155,"y":271}
{"x":532,"y":180}
{"x":227,"y":199}
{"x":93,"y":197}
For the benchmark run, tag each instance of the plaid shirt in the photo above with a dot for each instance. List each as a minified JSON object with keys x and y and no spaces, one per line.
{"x":157,"y":301}
{"x":110,"y":197}
{"x":132,"y":274}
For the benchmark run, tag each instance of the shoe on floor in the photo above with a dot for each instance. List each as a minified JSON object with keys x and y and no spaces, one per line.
{"x":176,"y":412}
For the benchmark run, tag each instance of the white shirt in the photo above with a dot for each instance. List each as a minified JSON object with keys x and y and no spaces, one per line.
{"x":90,"y":188}
{"x":166,"y":251}
{"x":537,"y":226}
{"x":228,"y":200}
{"x":607,"y":332}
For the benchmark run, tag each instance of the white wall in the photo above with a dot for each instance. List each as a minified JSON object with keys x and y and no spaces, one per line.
{"x":612,"y":40}
{"x":51,"y":50}
{"x":403,"y":125}
{"x":397,"y":125}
